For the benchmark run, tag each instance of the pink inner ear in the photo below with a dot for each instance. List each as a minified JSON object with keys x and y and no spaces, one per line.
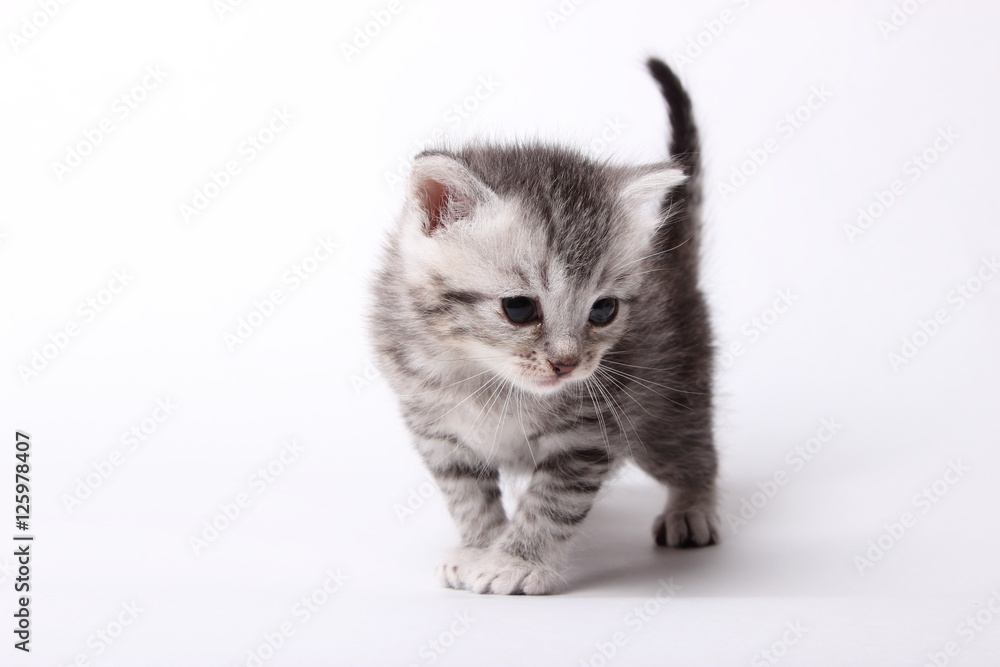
{"x":435,"y":198}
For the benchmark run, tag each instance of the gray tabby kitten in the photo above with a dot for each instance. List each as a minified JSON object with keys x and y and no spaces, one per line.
{"x":539,"y":311}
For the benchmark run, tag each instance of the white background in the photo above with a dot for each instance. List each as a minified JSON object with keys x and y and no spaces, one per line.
{"x":304,"y":374}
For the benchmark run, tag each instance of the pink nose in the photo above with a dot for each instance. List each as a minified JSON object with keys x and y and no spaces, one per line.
{"x":563,"y":367}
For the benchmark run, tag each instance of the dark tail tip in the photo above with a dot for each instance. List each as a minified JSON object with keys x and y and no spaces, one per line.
{"x":684,"y":135}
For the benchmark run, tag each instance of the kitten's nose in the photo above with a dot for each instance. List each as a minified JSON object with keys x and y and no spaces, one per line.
{"x":564,"y":367}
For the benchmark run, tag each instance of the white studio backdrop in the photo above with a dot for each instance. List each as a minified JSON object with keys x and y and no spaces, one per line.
{"x":192,"y":199}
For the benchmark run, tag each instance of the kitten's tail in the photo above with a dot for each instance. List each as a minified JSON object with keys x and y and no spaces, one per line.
{"x":684,"y":146}
{"x":685,"y":150}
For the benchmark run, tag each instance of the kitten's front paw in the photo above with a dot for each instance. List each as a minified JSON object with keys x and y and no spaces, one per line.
{"x":686,"y":528}
{"x":490,"y":571}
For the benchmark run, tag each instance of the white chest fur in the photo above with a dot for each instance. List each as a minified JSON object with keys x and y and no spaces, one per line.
{"x":498,"y":431}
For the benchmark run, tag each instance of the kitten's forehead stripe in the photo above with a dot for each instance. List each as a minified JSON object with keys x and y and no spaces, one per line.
{"x":605,"y":275}
{"x":568,"y":196}
{"x":463,"y":297}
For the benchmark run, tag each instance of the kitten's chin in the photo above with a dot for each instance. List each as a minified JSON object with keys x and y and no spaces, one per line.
{"x":540,"y":384}
{"x":545,"y":386}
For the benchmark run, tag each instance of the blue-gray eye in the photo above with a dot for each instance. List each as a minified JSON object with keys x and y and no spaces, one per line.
{"x":603,"y":311}
{"x":520,"y":309}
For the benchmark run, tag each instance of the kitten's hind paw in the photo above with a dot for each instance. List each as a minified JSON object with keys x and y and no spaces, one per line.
{"x":489,"y":571}
{"x":686,"y":528}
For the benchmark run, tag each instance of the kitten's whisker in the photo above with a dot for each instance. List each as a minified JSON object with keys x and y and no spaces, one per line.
{"x":434,"y":391}
{"x":661,"y":252}
{"x":640,"y":382}
{"x":624,"y":412}
{"x":520,"y":420}
{"x":496,"y":431}
{"x":649,"y":256}
{"x":611,"y":405}
{"x":454,"y":407}
{"x":662,"y":268}
{"x":648,"y":368}
{"x":482,"y":411}
{"x":486,"y":407}
{"x":600,"y":419}
{"x":579,"y":405}
{"x":637,"y":378}
{"x":635,"y":429}
{"x":456,"y":447}
{"x":624,"y":390}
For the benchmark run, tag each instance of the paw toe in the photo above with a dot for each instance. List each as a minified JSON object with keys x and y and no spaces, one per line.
{"x":685,"y":529}
{"x":507,"y":581}
{"x":540,"y":582}
{"x":482,"y":571}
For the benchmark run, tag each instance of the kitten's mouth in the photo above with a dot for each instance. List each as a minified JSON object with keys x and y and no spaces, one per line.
{"x":553,"y":383}
{"x":548,"y":383}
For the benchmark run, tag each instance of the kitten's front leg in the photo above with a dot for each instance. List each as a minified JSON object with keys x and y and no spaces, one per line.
{"x":530,"y":555}
{"x":471,"y":490}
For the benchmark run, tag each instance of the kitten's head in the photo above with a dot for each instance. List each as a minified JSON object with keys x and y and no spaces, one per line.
{"x":527,"y":261}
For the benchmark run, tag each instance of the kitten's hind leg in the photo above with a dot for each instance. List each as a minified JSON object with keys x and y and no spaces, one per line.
{"x":688,"y":471}
{"x":690,"y":519}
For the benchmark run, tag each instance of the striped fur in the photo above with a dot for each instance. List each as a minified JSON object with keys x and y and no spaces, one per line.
{"x":482,"y":395}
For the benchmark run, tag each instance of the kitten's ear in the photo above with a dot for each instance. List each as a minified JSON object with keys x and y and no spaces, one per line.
{"x":645,"y":188}
{"x":445,"y":190}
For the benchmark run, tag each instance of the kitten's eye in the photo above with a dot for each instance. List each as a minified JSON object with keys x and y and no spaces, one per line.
{"x":520,"y":309}
{"x":603,"y":311}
